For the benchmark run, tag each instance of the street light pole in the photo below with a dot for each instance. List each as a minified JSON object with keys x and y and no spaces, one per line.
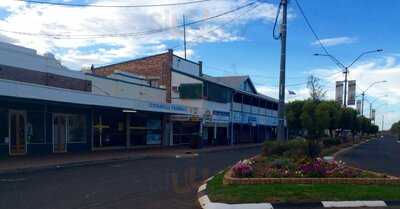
{"x":363,"y":94}
{"x":346,"y":71}
{"x":281,"y":135}
{"x":346,"y":68}
{"x":362,"y":103}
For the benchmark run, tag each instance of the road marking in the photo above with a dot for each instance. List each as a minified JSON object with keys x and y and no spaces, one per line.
{"x":209,"y":179}
{"x":187,"y":155}
{"x":352,"y":204}
{"x":202,"y":188}
{"x":13,"y":180}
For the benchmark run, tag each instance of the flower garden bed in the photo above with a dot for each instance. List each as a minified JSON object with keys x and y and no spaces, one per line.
{"x":280,"y":170}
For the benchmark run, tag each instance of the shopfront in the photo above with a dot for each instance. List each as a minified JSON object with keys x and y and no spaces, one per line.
{"x":36,"y":127}
{"x":145,"y":129}
{"x":216,"y":128}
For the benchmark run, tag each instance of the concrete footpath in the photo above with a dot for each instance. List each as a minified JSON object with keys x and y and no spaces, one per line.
{"x":23,"y":164}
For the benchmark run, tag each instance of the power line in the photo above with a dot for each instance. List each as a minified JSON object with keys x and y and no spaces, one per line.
{"x":228,"y":22}
{"x":232,"y":20}
{"x":112,"y":6}
{"x":311,"y":28}
{"x":133,"y":34}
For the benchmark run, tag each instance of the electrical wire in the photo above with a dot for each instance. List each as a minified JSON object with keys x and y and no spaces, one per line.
{"x":111,"y":6}
{"x":311,"y":28}
{"x":133,"y":34}
{"x":226,"y":23}
{"x":276,"y":22}
{"x":232,"y":20}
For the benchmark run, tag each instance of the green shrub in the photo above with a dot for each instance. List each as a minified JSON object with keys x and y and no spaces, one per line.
{"x":331,"y":142}
{"x":292,"y":148}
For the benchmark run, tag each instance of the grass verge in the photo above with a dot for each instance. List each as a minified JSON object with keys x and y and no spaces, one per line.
{"x":296,"y":193}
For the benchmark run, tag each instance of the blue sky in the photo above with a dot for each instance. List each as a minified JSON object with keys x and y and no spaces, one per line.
{"x":245,"y":46}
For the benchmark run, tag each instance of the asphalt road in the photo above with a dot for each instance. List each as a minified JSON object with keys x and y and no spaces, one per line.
{"x":381,"y":155}
{"x":148,"y":183}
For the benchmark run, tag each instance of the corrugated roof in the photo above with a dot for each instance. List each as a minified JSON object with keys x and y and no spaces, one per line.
{"x":232,"y":81}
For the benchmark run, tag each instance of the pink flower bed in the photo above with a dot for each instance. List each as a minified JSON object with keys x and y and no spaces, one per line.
{"x":290,"y":168}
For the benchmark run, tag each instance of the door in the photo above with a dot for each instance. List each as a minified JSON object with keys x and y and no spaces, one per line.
{"x":17,"y":132}
{"x":59,"y":133}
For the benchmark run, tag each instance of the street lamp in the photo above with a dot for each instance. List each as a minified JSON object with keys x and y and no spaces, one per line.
{"x":372,"y":102}
{"x":346,"y":68}
{"x":363,"y":94}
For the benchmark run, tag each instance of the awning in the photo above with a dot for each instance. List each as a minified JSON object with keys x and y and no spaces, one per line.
{"x":47,"y":93}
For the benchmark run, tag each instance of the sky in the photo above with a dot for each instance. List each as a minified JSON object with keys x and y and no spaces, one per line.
{"x":239,"y":43}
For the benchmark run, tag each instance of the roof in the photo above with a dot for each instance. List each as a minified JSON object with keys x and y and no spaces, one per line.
{"x":218,"y":80}
{"x":232,"y":81}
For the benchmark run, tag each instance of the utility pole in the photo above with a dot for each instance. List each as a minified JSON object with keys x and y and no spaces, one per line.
{"x":383,"y":121}
{"x":281,"y":104}
{"x":346,"y":72}
{"x":184,"y":34}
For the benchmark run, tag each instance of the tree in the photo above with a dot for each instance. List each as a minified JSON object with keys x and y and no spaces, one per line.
{"x":317,"y":92}
{"x":395,"y":129}
{"x":332,"y":109}
{"x":348,"y":120}
{"x":293,"y":113}
{"x":315,"y":120}
{"x":365,"y":125}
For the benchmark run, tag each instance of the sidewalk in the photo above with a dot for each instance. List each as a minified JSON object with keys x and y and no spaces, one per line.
{"x":22,"y":164}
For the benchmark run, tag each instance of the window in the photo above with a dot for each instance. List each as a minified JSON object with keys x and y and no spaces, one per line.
{"x":3,"y":126}
{"x":217,"y":93}
{"x":76,"y":128}
{"x":35,"y":127}
{"x":191,"y":91}
{"x":154,"y":131}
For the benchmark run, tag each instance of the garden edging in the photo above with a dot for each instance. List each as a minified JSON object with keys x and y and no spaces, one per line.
{"x":206,"y":203}
{"x":229,"y":179}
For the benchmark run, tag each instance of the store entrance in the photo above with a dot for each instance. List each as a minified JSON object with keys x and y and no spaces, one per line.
{"x":17,"y":132}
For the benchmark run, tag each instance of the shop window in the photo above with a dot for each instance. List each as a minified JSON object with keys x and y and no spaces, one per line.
{"x":76,"y":128}
{"x":185,"y":131}
{"x":35,"y":127}
{"x":144,"y":131}
{"x":154,"y":132}
{"x":3,"y":127}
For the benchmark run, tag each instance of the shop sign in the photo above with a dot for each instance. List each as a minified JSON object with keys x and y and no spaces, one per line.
{"x":168,"y":107}
{"x":207,"y":116}
{"x":221,"y":116}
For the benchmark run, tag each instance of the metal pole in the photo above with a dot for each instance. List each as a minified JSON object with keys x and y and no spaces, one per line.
{"x":346,"y":71}
{"x":362,"y":103}
{"x":281,"y":105}
{"x":184,"y":34}
{"x":383,"y":119}
{"x":370,"y":111}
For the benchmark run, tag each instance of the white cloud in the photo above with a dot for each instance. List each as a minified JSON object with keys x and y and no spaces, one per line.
{"x":336,"y":41}
{"x":46,"y":19}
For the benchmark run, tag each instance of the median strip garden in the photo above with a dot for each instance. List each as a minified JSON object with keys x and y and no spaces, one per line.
{"x":286,"y":172}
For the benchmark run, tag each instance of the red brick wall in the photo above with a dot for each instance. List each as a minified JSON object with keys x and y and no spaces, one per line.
{"x":152,"y":66}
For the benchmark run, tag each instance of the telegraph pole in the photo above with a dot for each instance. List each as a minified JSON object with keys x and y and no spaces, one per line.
{"x":184,"y":34}
{"x":281,"y":104}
